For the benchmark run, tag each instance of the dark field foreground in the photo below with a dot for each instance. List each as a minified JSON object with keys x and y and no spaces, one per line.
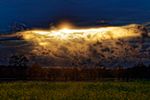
{"x":75,"y":90}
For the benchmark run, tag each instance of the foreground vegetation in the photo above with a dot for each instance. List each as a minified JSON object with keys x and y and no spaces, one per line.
{"x":138,"y":90}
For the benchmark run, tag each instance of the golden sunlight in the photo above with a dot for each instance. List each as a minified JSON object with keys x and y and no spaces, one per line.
{"x":65,"y":25}
{"x":66,"y":45}
{"x":89,"y":34}
{"x":79,"y":37}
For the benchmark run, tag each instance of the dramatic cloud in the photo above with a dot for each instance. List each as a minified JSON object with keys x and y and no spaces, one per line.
{"x":83,"y":47}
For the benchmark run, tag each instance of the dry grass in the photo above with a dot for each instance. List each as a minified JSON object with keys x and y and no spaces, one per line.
{"x":75,"y":91}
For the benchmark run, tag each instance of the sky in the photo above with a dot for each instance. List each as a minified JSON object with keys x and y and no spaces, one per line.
{"x":41,"y":13}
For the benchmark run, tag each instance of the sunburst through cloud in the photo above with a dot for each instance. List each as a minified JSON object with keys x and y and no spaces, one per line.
{"x":74,"y":46}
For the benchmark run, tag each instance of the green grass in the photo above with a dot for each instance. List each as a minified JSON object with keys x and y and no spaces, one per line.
{"x":75,"y":91}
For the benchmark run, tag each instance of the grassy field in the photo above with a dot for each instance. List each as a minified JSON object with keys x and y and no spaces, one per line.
{"x":75,"y":90}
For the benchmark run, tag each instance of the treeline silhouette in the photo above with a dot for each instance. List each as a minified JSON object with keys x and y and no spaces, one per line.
{"x":36,"y":72}
{"x":18,"y":69}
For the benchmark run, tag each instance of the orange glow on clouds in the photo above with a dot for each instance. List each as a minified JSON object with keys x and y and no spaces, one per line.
{"x":88,"y":34}
{"x":66,"y":45}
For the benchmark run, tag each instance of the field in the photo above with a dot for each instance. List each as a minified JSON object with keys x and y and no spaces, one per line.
{"x":139,"y":90}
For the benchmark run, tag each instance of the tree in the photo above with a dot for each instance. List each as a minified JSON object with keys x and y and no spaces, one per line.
{"x":18,"y":61}
{"x":19,"y":64}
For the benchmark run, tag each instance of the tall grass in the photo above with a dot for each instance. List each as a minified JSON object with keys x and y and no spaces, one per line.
{"x":75,"y":91}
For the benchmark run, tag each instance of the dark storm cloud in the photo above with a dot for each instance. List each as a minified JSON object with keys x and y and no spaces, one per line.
{"x":40,"y":13}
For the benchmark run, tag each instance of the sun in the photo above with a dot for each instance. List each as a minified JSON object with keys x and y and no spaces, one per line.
{"x":65,"y":25}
